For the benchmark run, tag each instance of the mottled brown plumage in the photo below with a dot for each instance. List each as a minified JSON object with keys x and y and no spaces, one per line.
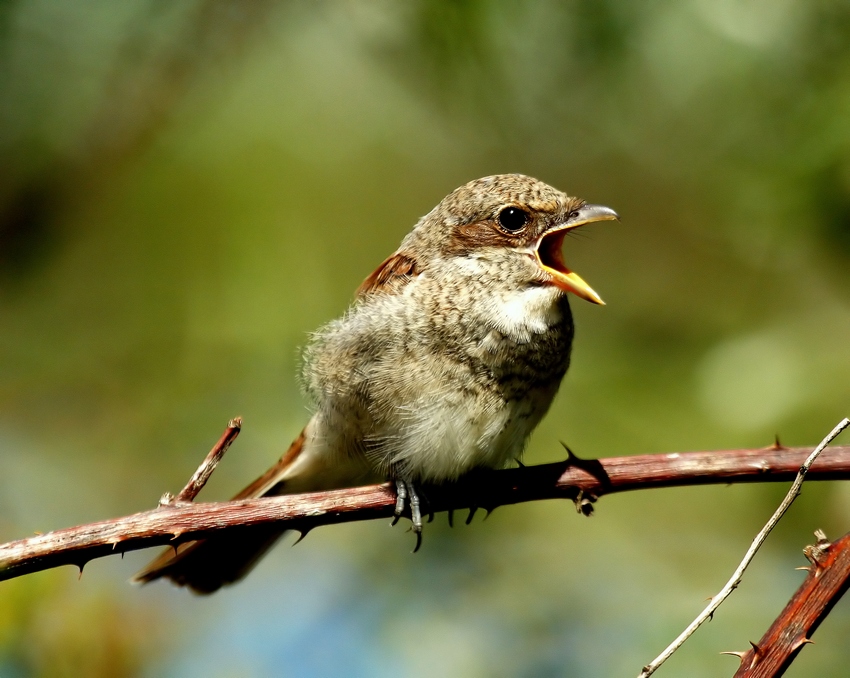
{"x":446,"y":361}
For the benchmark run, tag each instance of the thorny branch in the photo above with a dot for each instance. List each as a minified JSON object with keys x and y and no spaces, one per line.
{"x":760,"y":538}
{"x":827,"y":581}
{"x":581,"y":481}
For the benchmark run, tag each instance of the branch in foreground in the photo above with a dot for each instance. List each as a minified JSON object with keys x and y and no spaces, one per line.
{"x":581,"y":481}
{"x":828,"y":579}
{"x":738,"y":574}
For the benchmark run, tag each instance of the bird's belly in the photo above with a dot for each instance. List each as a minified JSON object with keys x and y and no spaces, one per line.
{"x":447,"y":434}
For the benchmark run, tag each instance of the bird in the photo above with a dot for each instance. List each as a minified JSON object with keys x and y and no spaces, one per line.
{"x":447,"y":359}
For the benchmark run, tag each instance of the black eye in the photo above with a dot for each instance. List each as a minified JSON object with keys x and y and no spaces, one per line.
{"x":513,"y":218}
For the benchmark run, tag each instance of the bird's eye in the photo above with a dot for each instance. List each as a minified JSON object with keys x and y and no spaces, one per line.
{"x":573,"y":215}
{"x":513,"y":219}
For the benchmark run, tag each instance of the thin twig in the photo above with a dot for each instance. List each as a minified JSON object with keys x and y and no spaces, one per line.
{"x":575,"y":479}
{"x":733,"y":582}
{"x":205,"y":470}
{"x":828,"y":580}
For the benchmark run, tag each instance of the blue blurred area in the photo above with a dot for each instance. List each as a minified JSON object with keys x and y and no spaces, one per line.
{"x":188,"y":189}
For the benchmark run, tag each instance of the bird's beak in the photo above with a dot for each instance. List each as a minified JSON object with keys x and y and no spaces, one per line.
{"x":551,"y":260}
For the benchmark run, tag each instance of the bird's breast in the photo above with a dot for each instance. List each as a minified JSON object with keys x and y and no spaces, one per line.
{"x":440,"y":379}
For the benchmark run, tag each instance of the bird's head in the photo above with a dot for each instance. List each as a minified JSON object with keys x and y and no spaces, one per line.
{"x":510,"y":227}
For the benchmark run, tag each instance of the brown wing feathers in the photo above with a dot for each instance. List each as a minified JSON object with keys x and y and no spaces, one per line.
{"x":392,"y":274}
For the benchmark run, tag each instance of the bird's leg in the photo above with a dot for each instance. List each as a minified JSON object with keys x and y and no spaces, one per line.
{"x":415,"y":508}
{"x":400,"y":499}
{"x":406,"y":494}
{"x":415,"y":516}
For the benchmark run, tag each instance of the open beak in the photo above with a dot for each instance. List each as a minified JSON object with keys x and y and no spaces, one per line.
{"x":551,"y":260}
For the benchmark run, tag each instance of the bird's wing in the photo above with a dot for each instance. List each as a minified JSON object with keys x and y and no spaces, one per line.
{"x":393,"y":273}
{"x":266,"y":483}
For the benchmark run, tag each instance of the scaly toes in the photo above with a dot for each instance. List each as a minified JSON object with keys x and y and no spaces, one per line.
{"x":400,"y":499}
{"x":406,"y":495}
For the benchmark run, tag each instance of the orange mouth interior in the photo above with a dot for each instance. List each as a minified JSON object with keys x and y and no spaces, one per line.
{"x":549,"y":251}
{"x":551,"y":259}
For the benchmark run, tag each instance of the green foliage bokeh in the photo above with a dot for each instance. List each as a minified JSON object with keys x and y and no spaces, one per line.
{"x":188,"y":189}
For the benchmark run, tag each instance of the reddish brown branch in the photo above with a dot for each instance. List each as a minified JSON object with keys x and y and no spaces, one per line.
{"x":794,"y":491}
{"x":828,"y":579}
{"x":202,"y":475}
{"x":579,"y":480}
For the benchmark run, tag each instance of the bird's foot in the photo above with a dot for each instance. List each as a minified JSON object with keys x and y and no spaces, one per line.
{"x":406,"y":495}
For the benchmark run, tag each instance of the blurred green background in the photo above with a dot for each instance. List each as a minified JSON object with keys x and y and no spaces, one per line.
{"x":187,"y":189}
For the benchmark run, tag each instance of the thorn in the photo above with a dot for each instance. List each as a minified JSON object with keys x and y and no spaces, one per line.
{"x":571,"y":458}
{"x":519,"y":462}
{"x":451,"y":513}
{"x":37,"y":533}
{"x":488,"y":512}
{"x":472,"y":511}
{"x":303,"y":533}
{"x":810,"y":554}
{"x":776,"y":444}
{"x":814,"y":553}
{"x":756,"y":649}
{"x":81,"y":565}
{"x":805,"y":568}
{"x":739,"y":655}
{"x":805,"y":641}
{"x":711,"y":614}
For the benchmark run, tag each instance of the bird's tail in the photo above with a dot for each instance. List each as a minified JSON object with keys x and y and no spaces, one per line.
{"x":208,"y":564}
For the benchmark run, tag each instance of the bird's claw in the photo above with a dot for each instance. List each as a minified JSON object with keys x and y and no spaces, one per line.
{"x":406,"y":494}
